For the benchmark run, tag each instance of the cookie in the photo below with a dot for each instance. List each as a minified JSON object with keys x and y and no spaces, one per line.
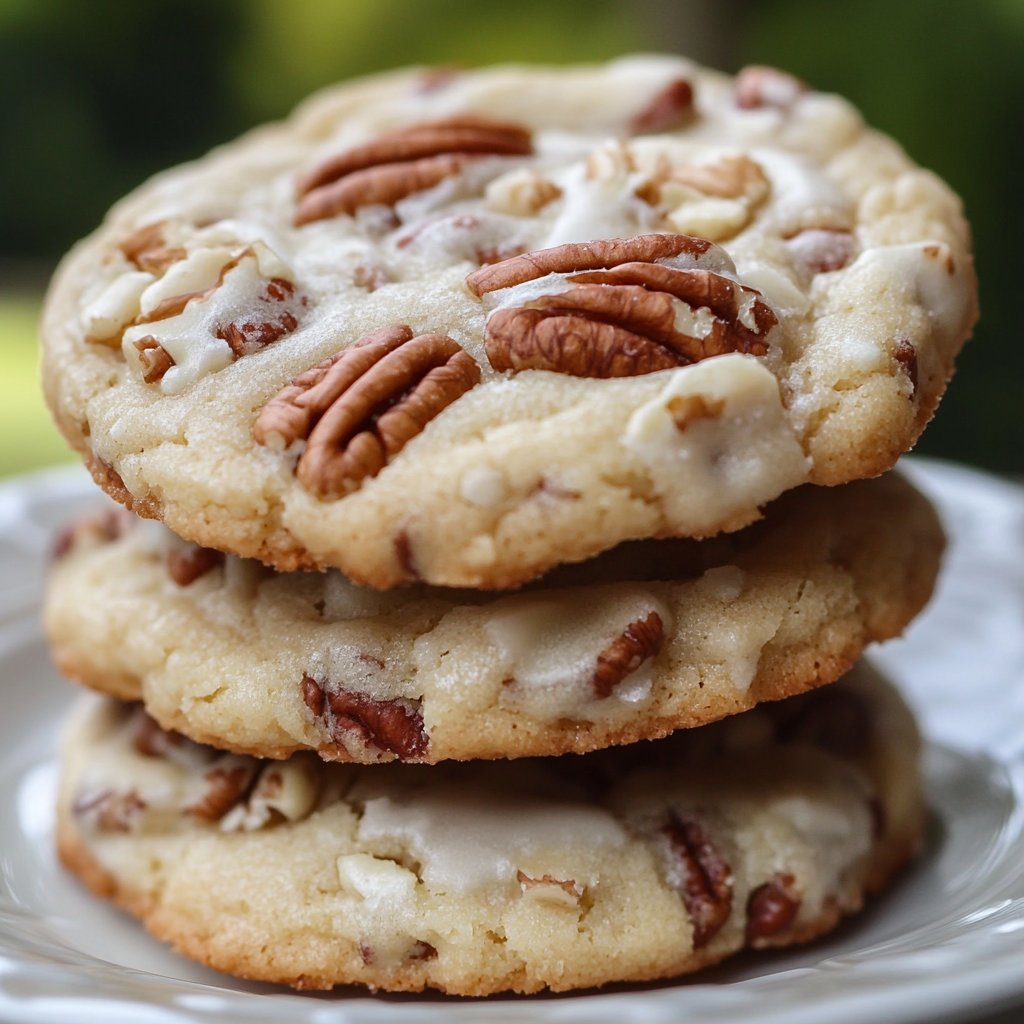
{"x":556,"y":873}
{"x":462,"y":328}
{"x":648,"y":638}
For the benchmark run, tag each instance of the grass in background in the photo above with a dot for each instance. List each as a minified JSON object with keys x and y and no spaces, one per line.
{"x":28,"y":437}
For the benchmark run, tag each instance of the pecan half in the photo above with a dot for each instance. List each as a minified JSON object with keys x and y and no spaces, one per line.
{"x":575,"y":256}
{"x":395,"y":726}
{"x":771,"y":908}
{"x":640,"y":640}
{"x":762,"y":86}
{"x":362,"y":406}
{"x":705,"y":880}
{"x":672,"y":107}
{"x":399,"y":163}
{"x":623,"y":318}
{"x":186,"y":565}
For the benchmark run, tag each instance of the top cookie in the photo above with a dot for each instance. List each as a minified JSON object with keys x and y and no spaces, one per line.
{"x":463,"y":327}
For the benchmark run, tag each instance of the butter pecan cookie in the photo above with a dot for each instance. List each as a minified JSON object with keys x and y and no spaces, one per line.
{"x":647,"y":638}
{"x":460,"y":329}
{"x":559,"y":873}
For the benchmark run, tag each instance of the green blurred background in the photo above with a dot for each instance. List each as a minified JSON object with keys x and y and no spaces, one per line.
{"x":97,"y":96}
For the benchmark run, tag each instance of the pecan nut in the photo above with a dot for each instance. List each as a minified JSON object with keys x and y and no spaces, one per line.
{"x":640,"y":640}
{"x":363,"y":405}
{"x":670,"y":108}
{"x":226,"y":784}
{"x":627,"y":315}
{"x":275,"y":310}
{"x":148,"y":250}
{"x":905,"y":355}
{"x":110,"y":811}
{"x":186,"y":565}
{"x":394,"y":726}
{"x":557,"y":892}
{"x":575,"y":256}
{"x":771,"y":908}
{"x":703,"y":878}
{"x":397,"y":164}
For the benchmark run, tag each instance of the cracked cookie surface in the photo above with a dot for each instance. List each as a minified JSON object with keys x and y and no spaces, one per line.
{"x":556,"y":873}
{"x":667,"y":297}
{"x":647,"y":638}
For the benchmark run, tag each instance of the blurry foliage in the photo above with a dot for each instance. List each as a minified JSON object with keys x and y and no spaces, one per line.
{"x":947,"y":80}
{"x":102,"y":95}
{"x":98,"y":96}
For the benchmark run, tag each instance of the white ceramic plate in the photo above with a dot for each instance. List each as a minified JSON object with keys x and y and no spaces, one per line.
{"x":948,"y":940}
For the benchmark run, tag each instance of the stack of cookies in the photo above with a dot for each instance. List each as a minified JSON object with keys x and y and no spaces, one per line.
{"x":484,"y":414}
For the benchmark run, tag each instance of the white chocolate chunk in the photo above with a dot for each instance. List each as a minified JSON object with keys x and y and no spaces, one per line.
{"x":189,"y":338}
{"x":287,"y":788}
{"x":925,"y":270}
{"x":741,"y":455}
{"x":467,"y":839}
{"x":116,"y":306}
{"x":483,"y":486}
{"x":550,"y":649}
{"x":375,"y":879}
{"x":197,"y":272}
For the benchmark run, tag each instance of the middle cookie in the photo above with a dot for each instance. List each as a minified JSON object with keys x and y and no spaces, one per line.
{"x":650,"y":637}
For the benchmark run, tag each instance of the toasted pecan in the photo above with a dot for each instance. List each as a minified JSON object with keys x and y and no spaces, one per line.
{"x":397,"y":164}
{"x":362,"y":406}
{"x":577,"y":256}
{"x":622,"y":318}
{"x":640,"y":640}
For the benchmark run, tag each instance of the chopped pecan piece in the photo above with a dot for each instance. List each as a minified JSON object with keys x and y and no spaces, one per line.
{"x":392,"y":166}
{"x":147,"y":249}
{"x":110,"y":811}
{"x":671,"y":108}
{"x":155,"y":359}
{"x":623,"y":318}
{"x":821,"y":250}
{"x":105,"y":526}
{"x":761,"y":86}
{"x":362,"y":406}
{"x":395,"y":726}
{"x":558,"y":892}
{"x":639,"y":641}
{"x":421,"y":950}
{"x":149,"y":739}
{"x":906,"y":356}
{"x":226,"y":785}
{"x":705,"y":880}
{"x":370,"y":278}
{"x":186,"y":565}
{"x":771,"y":908}
{"x":276,"y":313}
{"x":251,"y":333}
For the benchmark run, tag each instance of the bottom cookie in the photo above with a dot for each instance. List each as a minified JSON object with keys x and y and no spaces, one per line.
{"x":631,"y":864}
